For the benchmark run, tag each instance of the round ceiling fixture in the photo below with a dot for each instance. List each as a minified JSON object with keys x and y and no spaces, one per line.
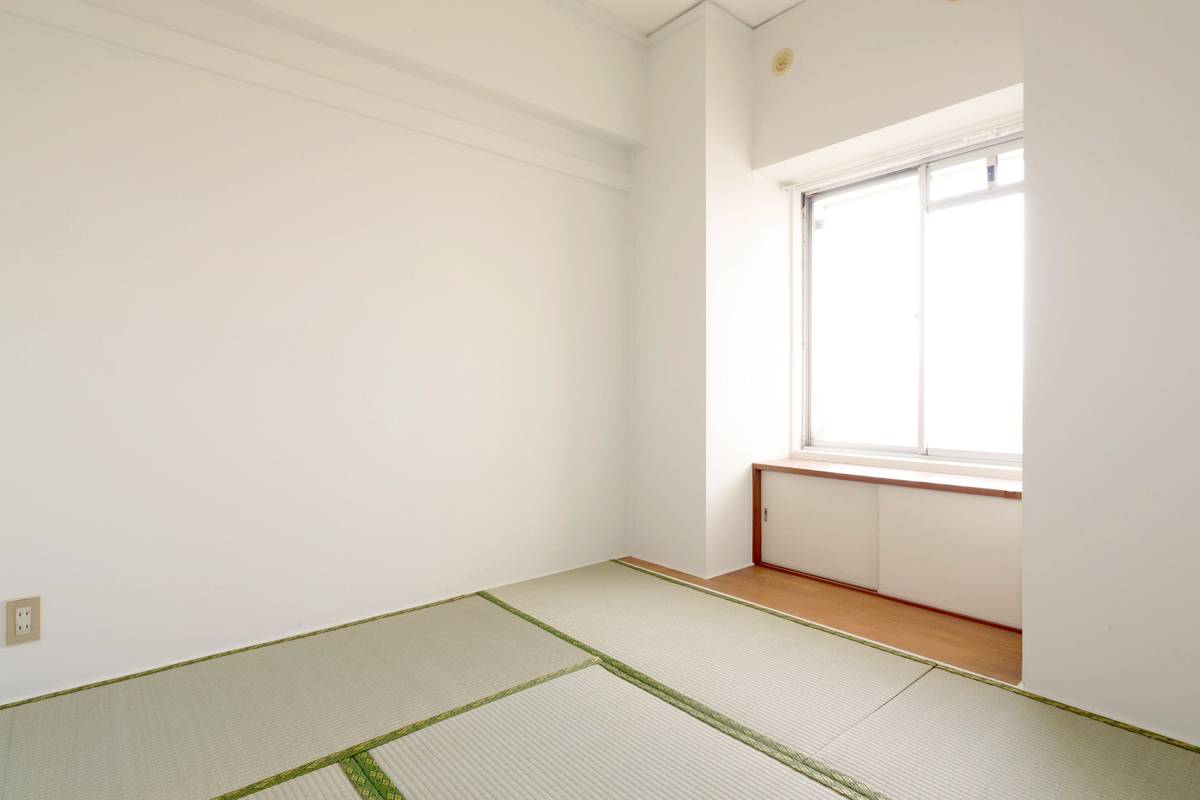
{"x":782,"y":61}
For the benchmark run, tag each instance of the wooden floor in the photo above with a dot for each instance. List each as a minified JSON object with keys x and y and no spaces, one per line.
{"x":973,"y":646}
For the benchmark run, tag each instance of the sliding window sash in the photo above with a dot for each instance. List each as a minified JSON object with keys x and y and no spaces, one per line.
{"x":991,"y":151}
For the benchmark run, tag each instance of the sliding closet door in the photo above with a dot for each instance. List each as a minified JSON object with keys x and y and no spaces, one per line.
{"x":823,"y":527}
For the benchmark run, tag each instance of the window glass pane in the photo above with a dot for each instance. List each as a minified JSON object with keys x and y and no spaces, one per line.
{"x":956,"y":179}
{"x":974,"y":271}
{"x":1010,"y":167}
{"x":863,"y":351}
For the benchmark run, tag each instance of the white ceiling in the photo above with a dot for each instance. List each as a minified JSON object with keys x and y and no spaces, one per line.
{"x":649,"y":15}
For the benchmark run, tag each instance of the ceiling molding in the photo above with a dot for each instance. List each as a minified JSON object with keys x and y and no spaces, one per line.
{"x":299,"y":26}
{"x":676,"y":24}
{"x":705,"y":9}
{"x":719,"y":14}
{"x":761,"y":27}
{"x":198,"y":35}
{"x":608,"y":20}
{"x":681,"y":19}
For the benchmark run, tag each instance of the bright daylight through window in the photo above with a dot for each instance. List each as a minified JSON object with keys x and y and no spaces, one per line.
{"x":913,"y":310}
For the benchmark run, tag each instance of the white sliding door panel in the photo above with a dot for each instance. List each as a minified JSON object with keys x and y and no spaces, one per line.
{"x":958,"y":552}
{"x":823,"y":527}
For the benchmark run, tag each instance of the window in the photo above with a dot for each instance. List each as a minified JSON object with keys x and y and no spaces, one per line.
{"x":912,"y":310}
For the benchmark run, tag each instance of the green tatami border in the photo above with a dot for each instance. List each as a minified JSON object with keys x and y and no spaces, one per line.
{"x":358,"y":749}
{"x":1008,"y":687}
{"x":806,"y":765}
{"x":379,"y":779}
{"x":362,"y":784}
{"x":843,"y":785}
{"x":235,"y":651}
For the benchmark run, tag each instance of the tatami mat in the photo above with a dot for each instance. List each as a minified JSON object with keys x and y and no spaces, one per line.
{"x":949,"y":737}
{"x":799,"y":685}
{"x":586,"y":736}
{"x":329,"y":783}
{"x":197,"y":731}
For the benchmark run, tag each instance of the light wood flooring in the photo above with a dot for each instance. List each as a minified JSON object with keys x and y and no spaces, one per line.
{"x":975,"y":646}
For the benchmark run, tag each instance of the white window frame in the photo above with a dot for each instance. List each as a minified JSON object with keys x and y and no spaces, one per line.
{"x":921,"y":456}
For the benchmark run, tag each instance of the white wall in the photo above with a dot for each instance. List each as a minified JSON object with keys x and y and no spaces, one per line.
{"x":1112,"y":382}
{"x":747,"y":290}
{"x":667,"y":313}
{"x":862,"y":65}
{"x":709,"y":330}
{"x":270,"y":365}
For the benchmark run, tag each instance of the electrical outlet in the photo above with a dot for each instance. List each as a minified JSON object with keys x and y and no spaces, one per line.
{"x":23,"y":620}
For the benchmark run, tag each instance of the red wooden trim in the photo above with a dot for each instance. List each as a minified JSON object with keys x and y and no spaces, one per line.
{"x":889,"y":476}
{"x":757,"y":526}
{"x":865,"y":590}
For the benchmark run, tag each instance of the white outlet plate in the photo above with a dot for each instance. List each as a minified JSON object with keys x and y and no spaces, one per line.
{"x":23,"y":620}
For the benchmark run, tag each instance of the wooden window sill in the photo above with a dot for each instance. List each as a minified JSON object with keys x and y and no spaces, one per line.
{"x":890,"y":476}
